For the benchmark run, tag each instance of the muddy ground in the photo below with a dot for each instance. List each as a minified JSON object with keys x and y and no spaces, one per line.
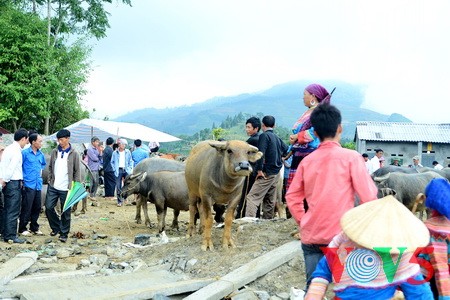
{"x":105,"y":228}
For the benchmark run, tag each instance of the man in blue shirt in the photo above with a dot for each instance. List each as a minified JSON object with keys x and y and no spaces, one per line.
{"x":33,"y":162}
{"x":139,"y":153}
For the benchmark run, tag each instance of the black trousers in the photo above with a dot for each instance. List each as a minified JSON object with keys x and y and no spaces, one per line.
{"x":31,"y":208}
{"x":110,"y":183}
{"x":11,"y":210}
{"x":61,"y":226}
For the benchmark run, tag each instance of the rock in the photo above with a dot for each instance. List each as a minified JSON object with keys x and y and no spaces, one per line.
{"x":64,"y":253}
{"x":102,"y":236}
{"x":262,"y":295}
{"x":138,"y":265}
{"x":85,"y":263}
{"x":283,"y":295}
{"x":106,"y":272}
{"x":181,"y":265}
{"x":110,"y":251}
{"x":77,"y":250}
{"x":190,"y":264}
{"x":297,"y":294}
{"x":274,"y":298}
{"x":142,"y":239}
{"x":52,"y":259}
{"x":245,"y":294}
{"x":98,"y":259}
{"x":160,"y":297}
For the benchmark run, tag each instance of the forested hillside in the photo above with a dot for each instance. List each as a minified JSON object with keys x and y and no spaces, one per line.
{"x":283,"y":101}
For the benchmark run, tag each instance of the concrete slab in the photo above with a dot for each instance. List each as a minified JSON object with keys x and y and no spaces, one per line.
{"x":15,"y":266}
{"x":248,"y":272}
{"x":138,"y":285}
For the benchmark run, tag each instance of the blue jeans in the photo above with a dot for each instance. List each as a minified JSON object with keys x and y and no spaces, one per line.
{"x":11,"y":210}
{"x":61,"y":226}
{"x":313,"y":255}
{"x":122,"y":175}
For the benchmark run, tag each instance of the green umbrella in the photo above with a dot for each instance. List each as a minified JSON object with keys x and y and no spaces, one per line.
{"x":76,"y":193}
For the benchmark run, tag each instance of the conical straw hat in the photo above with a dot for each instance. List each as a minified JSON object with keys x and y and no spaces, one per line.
{"x":385,"y":223}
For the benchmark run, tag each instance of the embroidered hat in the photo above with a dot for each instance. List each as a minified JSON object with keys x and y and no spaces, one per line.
{"x":438,"y":196}
{"x":385,"y":223}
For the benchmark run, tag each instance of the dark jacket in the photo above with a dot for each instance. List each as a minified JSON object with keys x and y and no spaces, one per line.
{"x":73,"y":166}
{"x":273,"y":148}
{"x":107,"y":155}
{"x":253,"y":140}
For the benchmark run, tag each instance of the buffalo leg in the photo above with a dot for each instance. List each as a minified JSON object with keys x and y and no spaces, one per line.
{"x":144,"y":206}
{"x":192,"y":213}
{"x":161,"y":214}
{"x":176,"y":213}
{"x":138,"y":210}
{"x":227,"y":240}
{"x":207,"y":224}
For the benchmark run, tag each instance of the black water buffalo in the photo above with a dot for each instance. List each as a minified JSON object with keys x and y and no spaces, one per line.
{"x":404,"y":187}
{"x":391,"y":169}
{"x":150,"y":166}
{"x":164,"y":189}
{"x":445,"y":172}
{"x":215,"y":173}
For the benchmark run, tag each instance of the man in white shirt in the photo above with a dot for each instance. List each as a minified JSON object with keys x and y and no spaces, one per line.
{"x":416,"y":162}
{"x":64,"y":168}
{"x":437,"y":165}
{"x":11,"y":177}
{"x":375,"y":161}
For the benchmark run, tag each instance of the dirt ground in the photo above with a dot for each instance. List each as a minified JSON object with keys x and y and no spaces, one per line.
{"x":106,"y":223}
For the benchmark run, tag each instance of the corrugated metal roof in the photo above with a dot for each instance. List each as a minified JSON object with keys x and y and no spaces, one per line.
{"x":405,"y":132}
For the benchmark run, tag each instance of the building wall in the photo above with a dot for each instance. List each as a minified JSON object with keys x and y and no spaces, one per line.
{"x":405,"y":151}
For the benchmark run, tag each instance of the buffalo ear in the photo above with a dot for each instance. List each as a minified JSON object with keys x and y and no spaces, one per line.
{"x":254,"y":156}
{"x":219,"y":145}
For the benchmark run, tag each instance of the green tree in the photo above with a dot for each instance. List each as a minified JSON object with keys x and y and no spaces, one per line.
{"x":218,"y":133}
{"x":38,"y":82}
{"x":24,"y":60}
{"x":42,"y":76}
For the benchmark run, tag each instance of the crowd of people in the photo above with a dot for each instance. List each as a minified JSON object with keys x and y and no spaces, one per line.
{"x":363,"y":245}
{"x":21,"y":179}
{"x":321,"y":198}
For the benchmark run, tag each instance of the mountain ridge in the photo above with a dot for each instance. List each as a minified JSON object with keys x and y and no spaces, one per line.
{"x":283,"y":101}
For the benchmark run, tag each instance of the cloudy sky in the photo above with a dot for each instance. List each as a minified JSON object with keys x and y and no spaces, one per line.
{"x":166,"y":53}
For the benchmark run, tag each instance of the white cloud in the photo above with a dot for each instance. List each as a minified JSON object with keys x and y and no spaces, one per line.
{"x":170,"y":53}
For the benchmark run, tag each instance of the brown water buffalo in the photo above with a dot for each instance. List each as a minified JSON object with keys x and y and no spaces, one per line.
{"x":215,"y":173}
{"x":164,"y":189}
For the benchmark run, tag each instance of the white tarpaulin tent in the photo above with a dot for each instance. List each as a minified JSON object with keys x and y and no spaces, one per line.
{"x":82,"y":132}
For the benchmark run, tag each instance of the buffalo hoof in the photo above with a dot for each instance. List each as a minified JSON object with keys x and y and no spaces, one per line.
{"x":228,"y":244}
{"x":207,"y":245}
{"x":138,"y":221}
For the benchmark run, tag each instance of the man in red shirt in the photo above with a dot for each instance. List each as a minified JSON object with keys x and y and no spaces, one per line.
{"x":328,"y":179}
